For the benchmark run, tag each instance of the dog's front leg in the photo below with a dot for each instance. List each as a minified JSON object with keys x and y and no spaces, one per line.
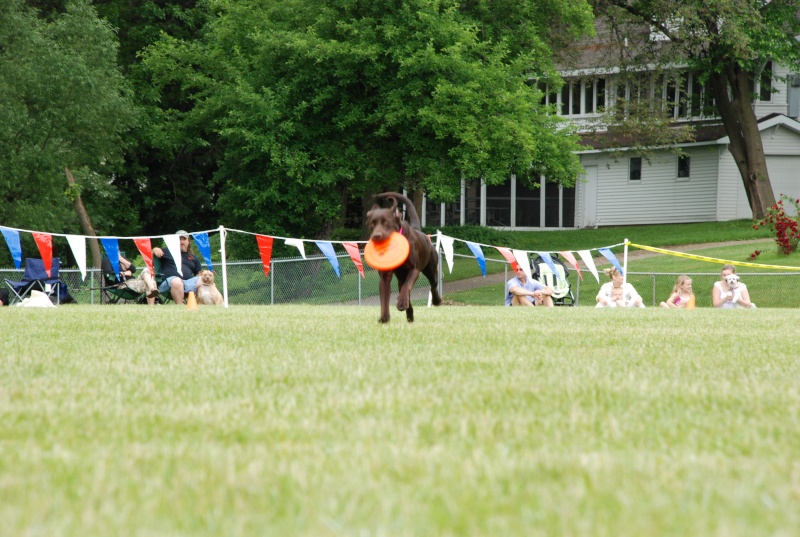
{"x":385,"y":291}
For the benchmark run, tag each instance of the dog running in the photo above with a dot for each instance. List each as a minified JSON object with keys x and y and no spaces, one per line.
{"x":422,"y":256}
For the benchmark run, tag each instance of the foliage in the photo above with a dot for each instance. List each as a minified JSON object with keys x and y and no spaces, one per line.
{"x":319,"y":101}
{"x":783,"y":226}
{"x":63,"y":103}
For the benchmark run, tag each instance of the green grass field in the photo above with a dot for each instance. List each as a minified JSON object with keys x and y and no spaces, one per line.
{"x":297,"y":420}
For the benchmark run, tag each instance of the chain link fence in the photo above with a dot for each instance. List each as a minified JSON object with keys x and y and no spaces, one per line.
{"x":313,"y":281}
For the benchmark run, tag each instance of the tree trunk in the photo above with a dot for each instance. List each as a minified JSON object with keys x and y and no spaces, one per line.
{"x":731,"y":90}
{"x":85,"y":221}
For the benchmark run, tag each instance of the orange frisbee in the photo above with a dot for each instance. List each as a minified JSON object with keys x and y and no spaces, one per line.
{"x":388,"y":254}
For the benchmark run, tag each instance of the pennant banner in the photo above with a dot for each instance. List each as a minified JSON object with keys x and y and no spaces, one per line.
{"x":45,"y":243}
{"x":173,"y":243}
{"x":145,"y":248}
{"x":548,"y":260}
{"x":265,"y":250}
{"x":77,"y":244}
{"x":571,"y":258}
{"x":523,"y":261}
{"x":589,"y":262}
{"x":355,"y":255}
{"x":327,"y":249}
{"x":613,"y":260}
{"x":478,"y":253}
{"x":111,"y":247}
{"x":12,"y":240}
{"x":447,"y":248}
{"x":297,"y":243}
{"x":201,"y":240}
{"x":508,"y":255}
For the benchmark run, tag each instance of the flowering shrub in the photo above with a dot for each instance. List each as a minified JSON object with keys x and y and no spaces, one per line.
{"x":785,"y":227}
{"x":752,"y":257}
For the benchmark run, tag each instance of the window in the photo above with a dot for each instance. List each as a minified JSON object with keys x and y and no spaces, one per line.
{"x":684,"y":166}
{"x":635,"y":169}
{"x":577,"y":97}
{"x":765,"y":83}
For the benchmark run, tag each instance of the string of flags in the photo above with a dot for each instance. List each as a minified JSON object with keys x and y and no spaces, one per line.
{"x":77,"y":243}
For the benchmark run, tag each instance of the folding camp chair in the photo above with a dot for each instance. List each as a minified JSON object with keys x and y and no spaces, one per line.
{"x":562,"y":294}
{"x":35,"y":277}
{"x":114,"y":289}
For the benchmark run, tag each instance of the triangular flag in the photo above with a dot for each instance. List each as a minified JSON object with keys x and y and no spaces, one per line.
{"x":571,"y":258}
{"x":111,"y":246}
{"x":508,"y":255}
{"x":327,"y":249}
{"x":12,"y":239}
{"x":478,"y":253}
{"x":297,"y":243}
{"x":45,"y":243}
{"x":524,"y":261}
{"x":447,"y":248}
{"x":355,"y":255}
{"x":78,"y":245}
{"x":174,"y":246}
{"x":201,"y":240}
{"x":589,"y":262}
{"x":265,"y":250}
{"x":145,"y":248}
{"x":613,"y":260}
{"x":548,"y":260}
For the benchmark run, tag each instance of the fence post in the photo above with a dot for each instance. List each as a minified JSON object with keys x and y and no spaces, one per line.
{"x":272,"y":284}
{"x":654,"y":290}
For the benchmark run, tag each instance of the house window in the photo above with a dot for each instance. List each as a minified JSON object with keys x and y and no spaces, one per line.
{"x":635,"y":169}
{"x":579,"y":97}
{"x":684,"y":166}
{"x":765,"y":83}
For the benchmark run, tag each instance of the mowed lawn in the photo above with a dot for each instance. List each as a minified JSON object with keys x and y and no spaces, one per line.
{"x":297,"y":420}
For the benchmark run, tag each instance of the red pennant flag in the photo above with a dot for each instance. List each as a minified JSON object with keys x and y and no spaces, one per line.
{"x":355,"y":255}
{"x":509,"y":256}
{"x":45,"y":243}
{"x":265,"y":249}
{"x":571,"y":258}
{"x":146,"y":249}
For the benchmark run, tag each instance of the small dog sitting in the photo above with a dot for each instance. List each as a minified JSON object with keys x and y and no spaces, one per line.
{"x":733,"y":282}
{"x":207,"y":292}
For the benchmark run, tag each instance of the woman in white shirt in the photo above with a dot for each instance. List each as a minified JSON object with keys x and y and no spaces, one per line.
{"x":725,"y":295}
{"x":629,"y":295}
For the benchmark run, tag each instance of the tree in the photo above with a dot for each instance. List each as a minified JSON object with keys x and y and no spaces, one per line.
{"x":727,"y":42}
{"x":319,"y":100}
{"x":63,"y":104}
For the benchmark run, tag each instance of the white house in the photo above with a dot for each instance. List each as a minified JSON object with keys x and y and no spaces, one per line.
{"x":622,"y":188}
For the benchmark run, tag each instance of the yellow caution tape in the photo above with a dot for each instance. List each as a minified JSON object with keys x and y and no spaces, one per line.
{"x":709,"y":259}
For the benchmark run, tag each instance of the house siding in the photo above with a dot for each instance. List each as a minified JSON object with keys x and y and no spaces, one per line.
{"x":659,"y":197}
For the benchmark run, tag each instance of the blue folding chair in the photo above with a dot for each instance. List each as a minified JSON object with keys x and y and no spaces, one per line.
{"x":35,"y":277}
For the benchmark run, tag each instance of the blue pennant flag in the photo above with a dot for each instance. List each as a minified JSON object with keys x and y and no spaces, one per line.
{"x":12,"y":239}
{"x":111,"y":247}
{"x":201,"y":240}
{"x":478,"y":253}
{"x":612,"y":259}
{"x":327,"y":249}
{"x":548,"y":260}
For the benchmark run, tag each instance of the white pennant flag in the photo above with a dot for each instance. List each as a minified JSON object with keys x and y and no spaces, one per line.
{"x":297,"y":243}
{"x":589,"y":262}
{"x":447,"y":248}
{"x":78,"y":245}
{"x":174,"y":247}
{"x":523,"y":261}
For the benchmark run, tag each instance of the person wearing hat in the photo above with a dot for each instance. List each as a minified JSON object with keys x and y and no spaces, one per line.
{"x":185,"y":281}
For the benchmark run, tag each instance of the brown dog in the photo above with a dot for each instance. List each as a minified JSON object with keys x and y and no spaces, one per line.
{"x":207,"y":292}
{"x":422,"y":256}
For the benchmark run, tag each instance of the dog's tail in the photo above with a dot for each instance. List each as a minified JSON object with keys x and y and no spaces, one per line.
{"x":411,"y":211}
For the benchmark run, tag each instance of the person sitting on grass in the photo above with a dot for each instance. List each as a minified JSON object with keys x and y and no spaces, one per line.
{"x":616,"y":300}
{"x":179,"y":283}
{"x":521,"y":291}
{"x":682,"y":296}
{"x":729,"y":292}
{"x":630,"y":296}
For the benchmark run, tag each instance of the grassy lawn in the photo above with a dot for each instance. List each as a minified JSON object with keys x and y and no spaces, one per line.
{"x":296,"y":420}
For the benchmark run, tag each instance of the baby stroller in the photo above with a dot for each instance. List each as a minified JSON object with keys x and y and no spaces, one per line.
{"x":562,"y":294}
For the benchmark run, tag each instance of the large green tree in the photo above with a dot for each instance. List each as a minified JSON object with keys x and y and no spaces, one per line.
{"x":63,"y":105}
{"x":318,"y":100}
{"x":727,"y":43}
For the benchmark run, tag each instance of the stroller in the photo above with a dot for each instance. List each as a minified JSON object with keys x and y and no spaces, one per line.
{"x":562,"y":294}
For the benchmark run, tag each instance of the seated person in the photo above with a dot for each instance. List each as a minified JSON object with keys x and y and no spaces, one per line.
{"x":4,"y":294}
{"x":630,"y":297}
{"x":179,"y":283}
{"x":682,"y":296}
{"x":144,"y":284}
{"x":616,"y":300}
{"x":521,"y":291}
{"x":729,"y":292}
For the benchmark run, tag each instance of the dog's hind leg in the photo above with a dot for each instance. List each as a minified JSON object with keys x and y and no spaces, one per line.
{"x":431,"y":271}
